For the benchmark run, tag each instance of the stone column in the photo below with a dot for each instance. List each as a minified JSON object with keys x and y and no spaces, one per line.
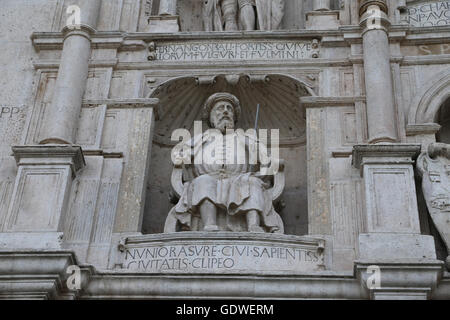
{"x":392,"y":243}
{"x":72,"y":76}
{"x":381,"y":116}
{"x":45,"y":172}
{"x":395,"y":261}
{"x":167,"y":19}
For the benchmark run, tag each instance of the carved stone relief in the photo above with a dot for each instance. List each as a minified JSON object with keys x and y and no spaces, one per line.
{"x":237,"y":189}
{"x":232,"y":15}
{"x":434,"y":166}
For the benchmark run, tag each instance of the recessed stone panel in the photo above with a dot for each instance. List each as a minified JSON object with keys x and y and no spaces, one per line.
{"x":427,"y":14}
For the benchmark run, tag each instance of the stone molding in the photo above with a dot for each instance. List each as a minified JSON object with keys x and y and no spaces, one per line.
{"x":50,"y":154}
{"x":319,"y":102}
{"x":28,"y":274}
{"x":386,"y":151}
{"x":406,"y":280}
{"x":43,"y":275}
{"x":333,"y":37}
{"x":423,"y":128}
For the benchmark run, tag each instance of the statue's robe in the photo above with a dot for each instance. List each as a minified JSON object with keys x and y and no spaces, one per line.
{"x":234,"y":188}
{"x":220,"y":15}
{"x":269,"y":12}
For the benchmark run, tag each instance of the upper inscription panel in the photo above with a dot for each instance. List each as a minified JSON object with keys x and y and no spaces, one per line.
{"x":428,"y":13}
{"x":234,"y":50}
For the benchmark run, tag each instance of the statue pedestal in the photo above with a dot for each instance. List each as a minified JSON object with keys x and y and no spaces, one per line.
{"x":222,"y":253}
{"x":322,"y":20}
{"x":163,"y":24}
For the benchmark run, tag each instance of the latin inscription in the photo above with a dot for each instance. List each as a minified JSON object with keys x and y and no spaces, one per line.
{"x":222,"y":258}
{"x":430,"y":14}
{"x":434,"y":49}
{"x":12,"y":122}
{"x":9,"y":112}
{"x":250,"y":50}
{"x":426,"y":50}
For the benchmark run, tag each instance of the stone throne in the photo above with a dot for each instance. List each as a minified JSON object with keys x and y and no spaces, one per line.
{"x":235,"y":183}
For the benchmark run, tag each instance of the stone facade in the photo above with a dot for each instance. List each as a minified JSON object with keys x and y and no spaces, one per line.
{"x":92,"y":91}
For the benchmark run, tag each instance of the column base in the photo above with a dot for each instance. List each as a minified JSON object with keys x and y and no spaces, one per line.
{"x":41,"y":190}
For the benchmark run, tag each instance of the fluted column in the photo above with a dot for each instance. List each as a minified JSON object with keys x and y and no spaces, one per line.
{"x":62,"y":116}
{"x":381,"y":116}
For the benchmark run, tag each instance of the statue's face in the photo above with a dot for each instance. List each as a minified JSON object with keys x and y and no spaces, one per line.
{"x":222,"y":116}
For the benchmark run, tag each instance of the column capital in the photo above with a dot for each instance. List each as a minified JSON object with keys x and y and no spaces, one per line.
{"x":82,"y":30}
{"x":50,"y":154}
{"x":374,"y":18}
{"x":365,"y":4}
{"x":384,"y":153}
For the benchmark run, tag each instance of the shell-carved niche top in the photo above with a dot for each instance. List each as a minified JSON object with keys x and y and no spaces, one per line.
{"x":182,"y":100}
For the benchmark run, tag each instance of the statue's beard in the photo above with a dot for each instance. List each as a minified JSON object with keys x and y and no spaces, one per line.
{"x":224,"y":124}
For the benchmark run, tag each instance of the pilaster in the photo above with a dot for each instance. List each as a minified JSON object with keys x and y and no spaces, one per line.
{"x":392,"y":245}
{"x":40,"y":195}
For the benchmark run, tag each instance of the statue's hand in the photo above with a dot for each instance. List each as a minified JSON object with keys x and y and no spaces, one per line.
{"x":265,"y":184}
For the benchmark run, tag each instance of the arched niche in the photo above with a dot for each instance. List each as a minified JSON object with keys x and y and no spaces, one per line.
{"x":428,"y":101}
{"x":181,"y":103}
{"x":443,"y":119}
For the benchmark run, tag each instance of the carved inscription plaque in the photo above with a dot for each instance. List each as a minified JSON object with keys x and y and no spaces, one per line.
{"x":235,"y":50}
{"x":202,"y":254}
{"x":428,"y":14}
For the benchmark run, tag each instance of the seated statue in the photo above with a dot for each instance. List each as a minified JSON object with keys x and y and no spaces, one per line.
{"x":225,"y":195}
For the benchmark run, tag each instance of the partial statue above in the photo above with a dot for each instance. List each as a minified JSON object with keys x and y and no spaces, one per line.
{"x":434,"y":166}
{"x":225,"y":179}
{"x":233,"y":15}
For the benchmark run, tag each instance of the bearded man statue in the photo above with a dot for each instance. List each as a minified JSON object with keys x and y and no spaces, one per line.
{"x":224,"y":195}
